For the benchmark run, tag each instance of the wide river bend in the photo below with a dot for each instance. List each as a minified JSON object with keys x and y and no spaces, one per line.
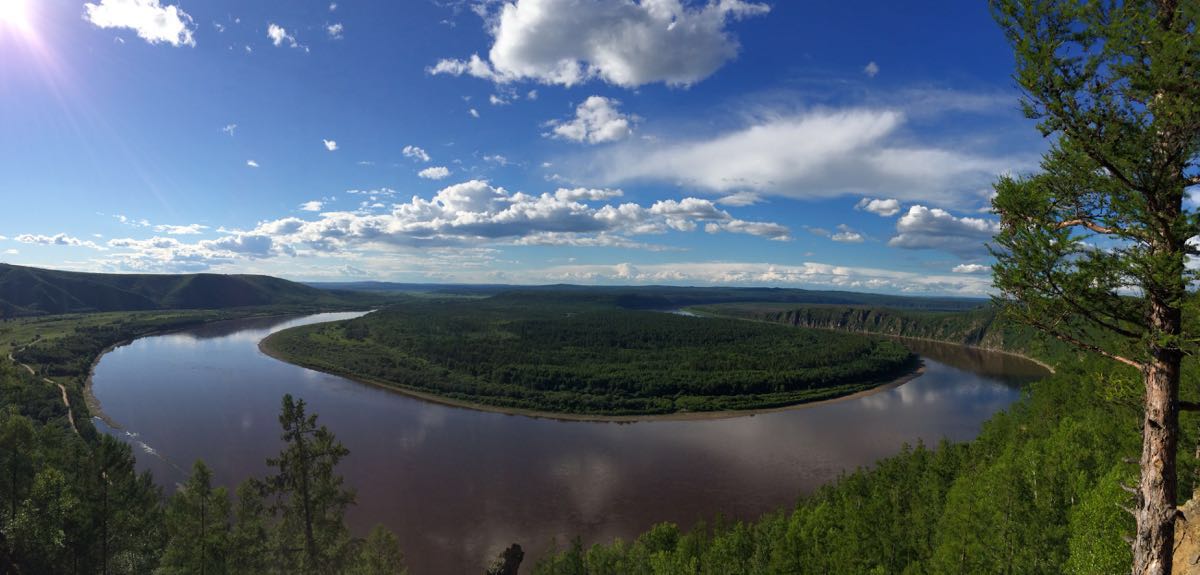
{"x":458,"y":485}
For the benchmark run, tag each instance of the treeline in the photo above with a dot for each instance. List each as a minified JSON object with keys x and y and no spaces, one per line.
{"x":591,"y":358}
{"x":72,"y":506}
{"x":982,"y":327}
{"x":1039,"y":491}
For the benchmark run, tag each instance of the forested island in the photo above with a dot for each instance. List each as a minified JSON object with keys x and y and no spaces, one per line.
{"x":560,"y":354}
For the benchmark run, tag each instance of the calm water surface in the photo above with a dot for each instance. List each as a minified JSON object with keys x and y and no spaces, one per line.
{"x":459,"y":485}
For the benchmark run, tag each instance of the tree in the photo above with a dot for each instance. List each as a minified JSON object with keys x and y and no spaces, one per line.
{"x":198,"y":526}
{"x":17,"y":443}
{"x":249,"y":541}
{"x":309,"y":497}
{"x":39,"y":528}
{"x":1093,"y":249}
{"x":380,"y":554}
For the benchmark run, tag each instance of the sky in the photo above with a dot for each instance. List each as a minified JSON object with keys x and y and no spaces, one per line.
{"x":831,"y":145}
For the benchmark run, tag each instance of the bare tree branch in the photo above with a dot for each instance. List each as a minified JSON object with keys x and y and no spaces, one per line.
{"x":1089,"y":225}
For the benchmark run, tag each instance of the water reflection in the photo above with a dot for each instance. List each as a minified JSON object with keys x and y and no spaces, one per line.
{"x":459,"y":485}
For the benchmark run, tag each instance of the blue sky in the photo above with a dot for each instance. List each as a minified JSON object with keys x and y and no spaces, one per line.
{"x":840,"y":145}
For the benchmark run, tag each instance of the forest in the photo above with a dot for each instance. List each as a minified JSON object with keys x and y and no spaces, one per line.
{"x":565,"y":355}
{"x":1039,"y":491}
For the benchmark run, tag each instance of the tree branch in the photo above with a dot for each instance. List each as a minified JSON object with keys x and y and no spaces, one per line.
{"x":1089,"y":225}
{"x":1084,"y":345}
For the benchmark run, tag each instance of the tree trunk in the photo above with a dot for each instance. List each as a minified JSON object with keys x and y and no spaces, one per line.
{"x":1152,"y":546}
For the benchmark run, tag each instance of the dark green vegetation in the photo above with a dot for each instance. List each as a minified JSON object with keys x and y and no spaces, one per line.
{"x":983,"y":327}
{"x":666,"y":297}
{"x":1039,"y":491}
{"x":26,"y":291}
{"x":568,"y":353}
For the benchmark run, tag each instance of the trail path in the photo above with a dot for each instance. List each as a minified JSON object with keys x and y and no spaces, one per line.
{"x":66,"y":400}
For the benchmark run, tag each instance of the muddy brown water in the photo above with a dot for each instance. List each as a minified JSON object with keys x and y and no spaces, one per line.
{"x":458,"y":485}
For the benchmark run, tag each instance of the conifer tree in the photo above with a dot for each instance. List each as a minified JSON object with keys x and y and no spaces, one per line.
{"x":1093,"y":249}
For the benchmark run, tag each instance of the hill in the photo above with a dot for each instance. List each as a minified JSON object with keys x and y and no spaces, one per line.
{"x":664,"y":297}
{"x":26,"y":291}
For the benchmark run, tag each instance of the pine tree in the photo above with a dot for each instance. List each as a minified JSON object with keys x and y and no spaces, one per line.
{"x":198,"y":527}
{"x":249,"y":540}
{"x":380,"y":554}
{"x":309,"y":498}
{"x":1093,"y":250}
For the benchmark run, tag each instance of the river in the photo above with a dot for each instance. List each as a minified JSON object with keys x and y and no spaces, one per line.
{"x":458,"y":485}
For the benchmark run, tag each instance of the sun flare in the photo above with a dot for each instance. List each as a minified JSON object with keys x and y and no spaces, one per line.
{"x":14,"y":14}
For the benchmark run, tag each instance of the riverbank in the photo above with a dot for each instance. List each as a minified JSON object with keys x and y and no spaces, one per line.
{"x":266,"y":349}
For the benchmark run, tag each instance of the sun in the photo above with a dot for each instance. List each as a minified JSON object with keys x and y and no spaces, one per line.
{"x":14,"y":14}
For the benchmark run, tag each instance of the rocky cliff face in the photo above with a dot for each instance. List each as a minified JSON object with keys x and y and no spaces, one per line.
{"x":968,"y":328}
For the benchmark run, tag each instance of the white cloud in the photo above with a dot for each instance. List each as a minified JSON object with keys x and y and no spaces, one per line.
{"x":756,"y":274}
{"x":229,"y":129}
{"x":434,"y":172}
{"x":847,"y":235}
{"x":497,"y":159}
{"x":818,"y":154}
{"x":473,"y":112}
{"x":596,"y":121}
{"x":933,"y":228}
{"x":137,"y":223}
{"x":279,"y":36}
{"x":189,"y":229}
{"x":312,"y":206}
{"x":252,"y":163}
{"x":880,"y":207}
{"x":415,"y":153}
{"x":871,"y":69}
{"x":152,"y":21}
{"x":333,"y":6}
{"x":335,"y":30}
{"x":971,"y":269}
{"x":740,"y":199}
{"x":498,"y":100}
{"x":469,"y":215}
{"x":330,"y":145}
{"x":11,"y":252}
{"x":56,"y":240}
{"x":621,"y":42}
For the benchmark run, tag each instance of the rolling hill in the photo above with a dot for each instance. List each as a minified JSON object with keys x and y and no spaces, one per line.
{"x":28,"y":291}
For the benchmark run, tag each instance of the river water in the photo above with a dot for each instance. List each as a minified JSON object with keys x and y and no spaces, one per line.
{"x":459,"y":485}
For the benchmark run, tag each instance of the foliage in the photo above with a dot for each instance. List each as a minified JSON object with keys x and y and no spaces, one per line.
{"x":591,"y":358}
{"x":1037,"y":492}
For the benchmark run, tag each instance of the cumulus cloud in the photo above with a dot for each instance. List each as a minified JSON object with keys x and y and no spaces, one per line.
{"x":152,"y":21}
{"x":312,"y":206}
{"x":230,"y":129}
{"x":335,"y":31}
{"x":415,"y":153}
{"x":817,"y":154}
{"x":434,"y":172}
{"x":190,"y":229}
{"x":756,"y":274}
{"x":468,"y":215}
{"x":56,"y":240}
{"x":923,"y":228}
{"x":871,"y":69}
{"x":252,"y":163}
{"x":847,"y":235}
{"x":330,"y":145}
{"x":625,"y":43}
{"x":879,"y":207}
{"x":596,"y":121}
{"x":971,"y":269}
{"x":280,"y":36}
{"x":473,"y":112}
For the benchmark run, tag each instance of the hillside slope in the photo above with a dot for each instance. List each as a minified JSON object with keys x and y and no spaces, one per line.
{"x":28,"y":291}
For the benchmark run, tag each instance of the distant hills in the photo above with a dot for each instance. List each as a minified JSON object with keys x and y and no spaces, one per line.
{"x":34,"y":291}
{"x":666,"y":297}
{"x":26,"y":291}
